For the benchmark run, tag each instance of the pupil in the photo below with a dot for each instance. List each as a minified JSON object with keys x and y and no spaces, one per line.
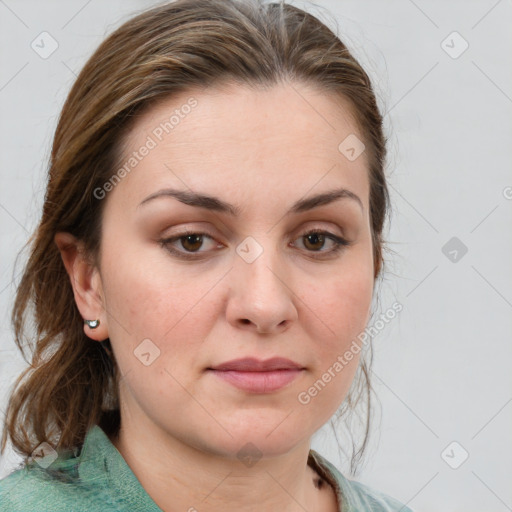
{"x":197,"y":239}
{"x":317,"y":237}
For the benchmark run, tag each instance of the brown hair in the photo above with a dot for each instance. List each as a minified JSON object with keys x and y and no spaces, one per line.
{"x":71,"y":383}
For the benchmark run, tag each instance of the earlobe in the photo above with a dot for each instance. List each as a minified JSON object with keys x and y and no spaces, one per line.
{"x":86,"y":283}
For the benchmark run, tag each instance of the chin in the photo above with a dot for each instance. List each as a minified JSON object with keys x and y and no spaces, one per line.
{"x":254,"y":434}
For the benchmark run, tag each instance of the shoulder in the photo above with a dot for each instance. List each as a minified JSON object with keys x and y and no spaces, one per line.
{"x":94,"y":479}
{"x":373,"y":499}
{"x":31,"y":489}
{"x":356,"y":496}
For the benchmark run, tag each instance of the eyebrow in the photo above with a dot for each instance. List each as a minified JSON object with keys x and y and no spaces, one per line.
{"x":218,"y":205}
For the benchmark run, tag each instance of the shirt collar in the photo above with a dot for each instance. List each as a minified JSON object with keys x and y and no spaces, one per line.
{"x":101,"y":463}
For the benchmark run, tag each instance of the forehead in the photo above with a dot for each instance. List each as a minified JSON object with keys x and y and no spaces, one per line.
{"x":287,"y":135}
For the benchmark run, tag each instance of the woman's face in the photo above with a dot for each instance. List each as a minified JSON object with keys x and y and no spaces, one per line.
{"x":252,"y":284}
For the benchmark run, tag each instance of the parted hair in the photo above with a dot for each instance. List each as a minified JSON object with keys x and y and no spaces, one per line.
{"x":71,"y":382}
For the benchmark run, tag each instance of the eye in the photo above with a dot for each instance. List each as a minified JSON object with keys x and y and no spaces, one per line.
{"x":315,"y":239}
{"x":192,"y":241}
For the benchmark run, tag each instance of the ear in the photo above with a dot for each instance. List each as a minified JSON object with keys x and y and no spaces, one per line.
{"x":86,"y":282}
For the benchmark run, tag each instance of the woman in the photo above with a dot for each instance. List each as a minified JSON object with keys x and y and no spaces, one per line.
{"x":213,"y":218}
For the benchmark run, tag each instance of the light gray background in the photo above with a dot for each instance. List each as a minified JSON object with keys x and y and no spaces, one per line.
{"x":442,"y":368}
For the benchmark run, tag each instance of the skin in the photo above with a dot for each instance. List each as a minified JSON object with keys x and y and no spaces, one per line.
{"x":181,"y":426}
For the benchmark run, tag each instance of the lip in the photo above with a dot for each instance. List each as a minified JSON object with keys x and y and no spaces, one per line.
{"x":257,"y":376}
{"x":258,"y":382}
{"x":251,"y":364}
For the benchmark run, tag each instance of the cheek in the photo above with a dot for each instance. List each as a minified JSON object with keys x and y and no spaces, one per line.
{"x":338,"y":314}
{"x":149,"y":299}
{"x":157,"y":325}
{"x":148,"y":293}
{"x":341,"y":304}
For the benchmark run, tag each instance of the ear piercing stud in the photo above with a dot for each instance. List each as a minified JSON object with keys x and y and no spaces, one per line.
{"x":92,"y":324}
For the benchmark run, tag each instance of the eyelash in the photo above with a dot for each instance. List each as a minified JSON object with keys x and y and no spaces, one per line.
{"x":340,"y":243}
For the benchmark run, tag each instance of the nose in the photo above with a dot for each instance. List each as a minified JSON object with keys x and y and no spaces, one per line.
{"x":261,"y":296}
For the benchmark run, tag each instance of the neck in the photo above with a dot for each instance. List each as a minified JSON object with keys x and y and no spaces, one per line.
{"x":180,"y":477}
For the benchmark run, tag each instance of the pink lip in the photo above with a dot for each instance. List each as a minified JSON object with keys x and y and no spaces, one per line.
{"x":251,"y":364}
{"x":257,"y":376}
{"x":258,"y":382}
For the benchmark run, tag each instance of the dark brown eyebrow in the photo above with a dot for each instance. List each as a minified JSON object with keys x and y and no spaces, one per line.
{"x":218,"y":205}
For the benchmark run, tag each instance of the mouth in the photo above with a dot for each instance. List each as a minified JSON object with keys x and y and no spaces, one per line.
{"x":256,"y":376}
{"x":252,"y":364}
{"x":258,"y":382}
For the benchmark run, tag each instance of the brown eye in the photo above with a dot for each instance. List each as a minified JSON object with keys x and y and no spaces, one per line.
{"x":314,"y":241}
{"x":191,"y":242}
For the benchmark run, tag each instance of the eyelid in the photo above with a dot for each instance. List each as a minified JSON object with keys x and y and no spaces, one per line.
{"x":340,"y":243}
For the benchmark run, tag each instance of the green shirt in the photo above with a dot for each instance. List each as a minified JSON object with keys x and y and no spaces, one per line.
{"x":99,"y":479}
